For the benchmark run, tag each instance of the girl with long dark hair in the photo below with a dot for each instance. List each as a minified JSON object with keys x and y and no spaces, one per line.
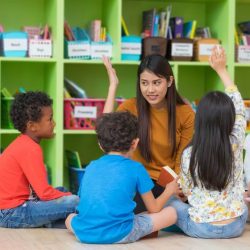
{"x":212,"y":167}
{"x":165,"y":120}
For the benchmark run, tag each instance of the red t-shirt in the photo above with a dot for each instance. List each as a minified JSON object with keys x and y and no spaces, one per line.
{"x":22,"y":167}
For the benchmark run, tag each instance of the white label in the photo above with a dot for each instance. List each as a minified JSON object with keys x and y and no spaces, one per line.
{"x":85,"y":112}
{"x":244,"y":54}
{"x":182,"y":49}
{"x":97,"y":51}
{"x":206,"y":49}
{"x":131,"y":48}
{"x":78,"y":49}
{"x":15,"y":44}
{"x":41,"y":48}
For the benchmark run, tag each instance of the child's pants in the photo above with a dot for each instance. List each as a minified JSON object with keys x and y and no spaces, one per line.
{"x":38,"y":213}
{"x":206,"y":230}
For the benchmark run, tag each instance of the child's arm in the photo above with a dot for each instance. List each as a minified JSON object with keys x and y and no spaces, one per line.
{"x":113,"y":84}
{"x":155,"y":205}
{"x":217,"y":61}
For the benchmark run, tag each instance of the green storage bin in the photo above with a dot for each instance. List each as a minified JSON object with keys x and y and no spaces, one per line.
{"x":6,"y":103}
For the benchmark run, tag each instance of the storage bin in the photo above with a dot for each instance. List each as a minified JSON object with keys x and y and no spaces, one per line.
{"x":14,"y":44}
{"x":180,"y":49}
{"x":82,"y":113}
{"x":79,"y":49}
{"x":75,"y":178}
{"x":242,"y":53}
{"x":131,"y":48}
{"x":6,"y":103}
{"x":100,"y":49}
{"x":41,"y":48}
{"x":203,"y":47}
{"x":154,"y":45}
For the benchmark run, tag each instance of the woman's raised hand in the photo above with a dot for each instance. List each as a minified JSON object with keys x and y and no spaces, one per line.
{"x":113,"y":80}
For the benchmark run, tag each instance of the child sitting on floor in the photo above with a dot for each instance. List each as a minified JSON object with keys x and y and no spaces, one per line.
{"x":26,"y":198}
{"x":110,"y":184}
{"x":212,"y":167}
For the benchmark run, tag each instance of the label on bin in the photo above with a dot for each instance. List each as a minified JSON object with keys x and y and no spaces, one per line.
{"x":85,"y":112}
{"x":81,"y":49}
{"x":131,"y":48}
{"x":244,"y":54}
{"x":15,"y":44}
{"x":206,"y":49}
{"x":182,"y":49}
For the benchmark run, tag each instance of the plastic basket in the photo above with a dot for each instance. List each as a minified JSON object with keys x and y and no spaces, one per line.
{"x":6,"y":103}
{"x":75,"y":178}
{"x":82,"y":113}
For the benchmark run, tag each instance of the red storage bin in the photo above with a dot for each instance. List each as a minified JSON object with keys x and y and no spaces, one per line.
{"x":82,"y":113}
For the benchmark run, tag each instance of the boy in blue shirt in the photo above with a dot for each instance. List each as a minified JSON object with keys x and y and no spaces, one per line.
{"x":105,"y":212}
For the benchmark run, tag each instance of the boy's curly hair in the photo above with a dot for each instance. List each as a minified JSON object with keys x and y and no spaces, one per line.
{"x":28,"y":107}
{"x":116,"y":131}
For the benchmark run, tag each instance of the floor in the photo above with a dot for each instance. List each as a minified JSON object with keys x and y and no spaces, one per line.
{"x":60,"y":239}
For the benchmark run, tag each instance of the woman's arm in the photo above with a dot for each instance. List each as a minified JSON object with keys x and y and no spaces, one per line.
{"x":113,"y":84}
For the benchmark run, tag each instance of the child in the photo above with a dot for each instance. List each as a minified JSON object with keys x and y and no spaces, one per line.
{"x":212,"y":168}
{"x":22,"y":170}
{"x":109,"y":186}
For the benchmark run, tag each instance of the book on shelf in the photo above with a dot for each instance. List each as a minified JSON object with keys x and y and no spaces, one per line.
{"x":148,"y":17}
{"x":73,"y":89}
{"x":189,"y":29}
{"x":166,"y":175}
{"x":244,"y":27}
{"x":5,"y":93}
{"x":73,"y":159}
{"x":176,"y":24}
{"x":125,"y":31}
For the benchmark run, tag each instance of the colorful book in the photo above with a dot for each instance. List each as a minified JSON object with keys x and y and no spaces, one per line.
{"x":189,"y":29}
{"x":73,"y":159}
{"x":176,"y":24}
{"x":166,"y":175}
{"x":73,"y":89}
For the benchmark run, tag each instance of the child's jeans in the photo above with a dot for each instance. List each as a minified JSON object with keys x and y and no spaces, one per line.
{"x":206,"y":230}
{"x":36,"y":213}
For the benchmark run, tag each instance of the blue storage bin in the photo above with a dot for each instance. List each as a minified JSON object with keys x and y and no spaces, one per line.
{"x":80,"y":48}
{"x":75,"y":178}
{"x":14,"y":44}
{"x":131,"y":48}
{"x":99,"y":49}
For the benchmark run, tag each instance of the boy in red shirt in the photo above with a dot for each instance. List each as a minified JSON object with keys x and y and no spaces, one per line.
{"x":26,"y":198}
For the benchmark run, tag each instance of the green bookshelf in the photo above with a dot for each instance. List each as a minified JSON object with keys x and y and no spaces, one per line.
{"x":193,"y":79}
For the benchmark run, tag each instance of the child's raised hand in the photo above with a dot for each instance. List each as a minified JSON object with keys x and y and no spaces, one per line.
{"x":113,"y":80}
{"x":173,"y":186}
{"x":217,"y":60}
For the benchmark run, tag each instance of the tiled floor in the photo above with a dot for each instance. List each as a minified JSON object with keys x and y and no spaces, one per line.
{"x":60,"y":239}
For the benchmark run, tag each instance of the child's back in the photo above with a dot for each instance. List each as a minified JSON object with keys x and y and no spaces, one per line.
{"x":106,"y":208}
{"x":106,"y":202}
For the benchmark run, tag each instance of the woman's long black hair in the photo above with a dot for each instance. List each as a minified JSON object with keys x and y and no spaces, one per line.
{"x":159,"y":66}
{"x":211,"y":159}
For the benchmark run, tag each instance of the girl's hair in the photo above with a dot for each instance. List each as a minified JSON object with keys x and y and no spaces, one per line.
{"x":211,"y":159}
{"x":159,"y":66}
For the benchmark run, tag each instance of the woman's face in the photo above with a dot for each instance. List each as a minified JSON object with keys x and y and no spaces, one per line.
{"x":154,"y":89}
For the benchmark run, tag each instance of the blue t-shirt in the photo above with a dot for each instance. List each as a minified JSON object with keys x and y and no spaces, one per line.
{"x":106,"y":199}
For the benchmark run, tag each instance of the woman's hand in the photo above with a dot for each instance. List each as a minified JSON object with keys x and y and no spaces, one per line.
{"x":218,"y":59}
{"x":113,"y":80}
